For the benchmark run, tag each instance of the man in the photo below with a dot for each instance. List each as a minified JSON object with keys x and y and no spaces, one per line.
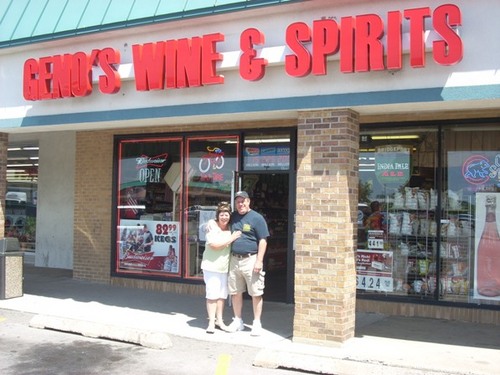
{"x":376,"y":220}
{"x":247,"y":261}
{"x":147,"y":239}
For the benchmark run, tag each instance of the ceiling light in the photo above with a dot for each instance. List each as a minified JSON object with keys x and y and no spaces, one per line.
{"x":394,"y":137}
{"x":271,"y":140}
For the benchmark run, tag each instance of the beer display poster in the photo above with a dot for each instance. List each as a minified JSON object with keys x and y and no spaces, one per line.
{"x":150,"y":246}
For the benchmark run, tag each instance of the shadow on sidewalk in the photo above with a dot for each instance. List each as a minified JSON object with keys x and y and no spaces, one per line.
{"x":427,"y":330}
{"x":59,"y":283}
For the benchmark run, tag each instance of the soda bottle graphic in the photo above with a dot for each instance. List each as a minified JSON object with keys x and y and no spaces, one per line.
{"x":488,"y":253}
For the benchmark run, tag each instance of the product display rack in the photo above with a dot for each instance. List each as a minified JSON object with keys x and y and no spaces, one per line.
{"x":456,"y":251}
{"x":412,"y":236}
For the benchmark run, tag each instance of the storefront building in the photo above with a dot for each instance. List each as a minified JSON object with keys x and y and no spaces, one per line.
{"x":139,"y":120}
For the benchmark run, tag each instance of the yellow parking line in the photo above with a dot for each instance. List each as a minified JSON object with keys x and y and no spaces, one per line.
{"x":222,"y":364}
{"x":2,"y":319}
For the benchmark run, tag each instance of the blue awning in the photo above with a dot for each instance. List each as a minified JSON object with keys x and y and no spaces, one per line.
{"x":30,"y":21}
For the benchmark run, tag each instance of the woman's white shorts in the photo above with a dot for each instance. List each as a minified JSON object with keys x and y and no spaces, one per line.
{"x":216,"y":284}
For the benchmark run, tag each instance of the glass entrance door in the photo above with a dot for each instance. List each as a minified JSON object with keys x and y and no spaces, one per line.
{"x":269,"y":196}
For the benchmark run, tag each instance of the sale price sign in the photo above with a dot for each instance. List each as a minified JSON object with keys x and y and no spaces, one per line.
{"x":376,"y":239}
{"x":374,"y":270}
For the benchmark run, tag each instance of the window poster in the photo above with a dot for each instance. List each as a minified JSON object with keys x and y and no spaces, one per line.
{"x":392,"y":164}
{"x":150,"y":246}
{"x":148,"y":211}
{"x":266,"y":157}
{"x":374,"y":270}
{"x":487,"y":247}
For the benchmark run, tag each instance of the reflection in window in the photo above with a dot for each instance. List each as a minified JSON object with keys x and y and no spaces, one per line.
{"x":471,"y":187}
{"x":148,"y":210}
{"x":210,"y":174}
{"x":428,"y":243}
{"x":397,"y":236}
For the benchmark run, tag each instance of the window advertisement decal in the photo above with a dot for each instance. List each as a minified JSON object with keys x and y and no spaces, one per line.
{"x":210,"y":165}
{"x":148,"y":210}
{"x":487,"y":247}
{"x":149,"y":245}
{"x":392,"y":164}
{"x":374,"y":270}
{"x":266,"y":157}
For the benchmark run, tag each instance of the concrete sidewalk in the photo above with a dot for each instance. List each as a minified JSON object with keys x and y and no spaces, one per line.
{"x":382,"y":344}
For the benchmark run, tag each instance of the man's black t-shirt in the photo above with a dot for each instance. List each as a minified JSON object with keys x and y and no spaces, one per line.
{"x":253,"y":228}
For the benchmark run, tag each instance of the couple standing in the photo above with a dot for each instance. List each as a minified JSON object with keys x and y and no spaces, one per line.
{"x":236,"y":241}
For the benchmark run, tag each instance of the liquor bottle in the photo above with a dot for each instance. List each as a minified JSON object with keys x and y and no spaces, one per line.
{"x":488,"y":253}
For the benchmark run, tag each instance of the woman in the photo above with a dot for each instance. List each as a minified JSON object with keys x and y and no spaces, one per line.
{"x":171,"y":260}
{"x":215,"y":264}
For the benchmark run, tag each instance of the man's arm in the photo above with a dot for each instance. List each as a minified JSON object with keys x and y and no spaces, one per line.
{"x":261,"y":252}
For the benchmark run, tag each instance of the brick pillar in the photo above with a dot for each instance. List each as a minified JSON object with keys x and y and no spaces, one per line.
{"x":327,"y":197}
{"x":93,"y":195}
{"x":4,"y":142}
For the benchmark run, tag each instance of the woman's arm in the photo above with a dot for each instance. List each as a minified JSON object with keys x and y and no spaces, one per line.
{"x":218,"y":240}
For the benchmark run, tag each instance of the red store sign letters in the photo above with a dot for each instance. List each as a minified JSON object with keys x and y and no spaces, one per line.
{"x":364,"y":43}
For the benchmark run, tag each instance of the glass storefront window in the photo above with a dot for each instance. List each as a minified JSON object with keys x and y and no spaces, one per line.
{"x":266,"y":151}
{"x":168,"y":187}
{"x":148,"y":207}
{"x":397,"y":212}
{"x":211,"y":163}
{"x":22,"y":191}
{"x":470,"y":247}
{"x":429,"y":213}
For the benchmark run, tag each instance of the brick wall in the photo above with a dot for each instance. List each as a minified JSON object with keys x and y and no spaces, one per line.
{"x":4,"y":141}
{"x":327,"y":191}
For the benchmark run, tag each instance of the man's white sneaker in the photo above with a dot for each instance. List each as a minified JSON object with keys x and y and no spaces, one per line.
{"x":256,"y":328}
{"x":236,"y":325}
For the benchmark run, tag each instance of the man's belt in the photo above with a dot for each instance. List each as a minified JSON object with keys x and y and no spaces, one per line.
{"x":242,"y":256}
